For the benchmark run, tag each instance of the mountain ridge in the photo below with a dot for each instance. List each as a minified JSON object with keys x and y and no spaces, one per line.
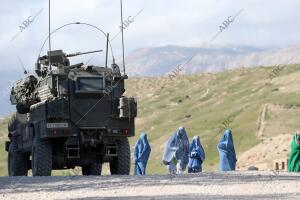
{"x":158,"y":61}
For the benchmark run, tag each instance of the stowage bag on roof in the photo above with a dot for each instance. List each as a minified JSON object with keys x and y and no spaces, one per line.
{"x":294,"y":159}
{"x":196,"y":155}
{"x":141,"y":155}
{"x":177,"y":147}
{"x":23,"y":95}
{"x":227,"y":152}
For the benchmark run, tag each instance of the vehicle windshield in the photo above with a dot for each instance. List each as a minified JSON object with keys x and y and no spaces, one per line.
{"x":90,"y":84}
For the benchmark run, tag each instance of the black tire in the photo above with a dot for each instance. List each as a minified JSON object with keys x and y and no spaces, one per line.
{"x":120,"y":165}
{"x":16,"y":161}
{"x":85,"y":170}
{"x":41,"y":161}
{"x":94,"y":169}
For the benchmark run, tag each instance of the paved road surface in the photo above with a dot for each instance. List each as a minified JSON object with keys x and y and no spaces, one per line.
{"x":233,"y":185}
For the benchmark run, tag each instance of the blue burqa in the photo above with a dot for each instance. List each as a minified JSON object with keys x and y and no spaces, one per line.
{"x":196,"y":156}
{"x":141,"y":154}
{"x":227,"y":152}
{"x":177,"y":148}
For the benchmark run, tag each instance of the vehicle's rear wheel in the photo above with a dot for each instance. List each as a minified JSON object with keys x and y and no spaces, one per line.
{"x":94,"y":169}
{"x":41,"y":161}
{"x":120,"y":165}
{"x":17,"y":162}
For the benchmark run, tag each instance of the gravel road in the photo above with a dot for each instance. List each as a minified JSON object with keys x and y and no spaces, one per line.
{"x":231,"y":185}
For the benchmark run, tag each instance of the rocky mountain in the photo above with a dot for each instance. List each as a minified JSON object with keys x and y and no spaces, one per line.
{"x":159,"y":61}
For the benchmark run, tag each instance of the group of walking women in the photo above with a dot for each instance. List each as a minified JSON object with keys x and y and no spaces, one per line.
{"x":179,"y":153}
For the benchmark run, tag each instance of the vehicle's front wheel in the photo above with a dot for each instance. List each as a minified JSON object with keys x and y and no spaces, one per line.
{"x":17,"y":162}
{"x":120,"y":165}
{"x":41,"y":161}
{"x":94,"y":169}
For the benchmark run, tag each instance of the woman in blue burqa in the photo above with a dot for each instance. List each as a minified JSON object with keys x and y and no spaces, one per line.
{"x":227,"y":152}
{"x":177,"y":152}
{"x":141,"y":154}
{"x":196,"y":156}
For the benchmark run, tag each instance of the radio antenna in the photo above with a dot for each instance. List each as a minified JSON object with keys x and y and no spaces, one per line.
{"x":106,"y":54}
{"x":49,"y":33}
{"x":25,"y":70}
{"x":122,"y":36}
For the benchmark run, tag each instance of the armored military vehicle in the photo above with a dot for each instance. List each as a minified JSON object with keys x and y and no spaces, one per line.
{"x":68,"y":116}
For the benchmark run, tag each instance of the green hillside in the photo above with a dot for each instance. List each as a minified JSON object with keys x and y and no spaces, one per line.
{"x":201,"y":103}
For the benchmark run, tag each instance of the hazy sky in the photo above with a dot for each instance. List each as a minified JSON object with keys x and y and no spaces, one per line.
{"x":178,"y":22}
